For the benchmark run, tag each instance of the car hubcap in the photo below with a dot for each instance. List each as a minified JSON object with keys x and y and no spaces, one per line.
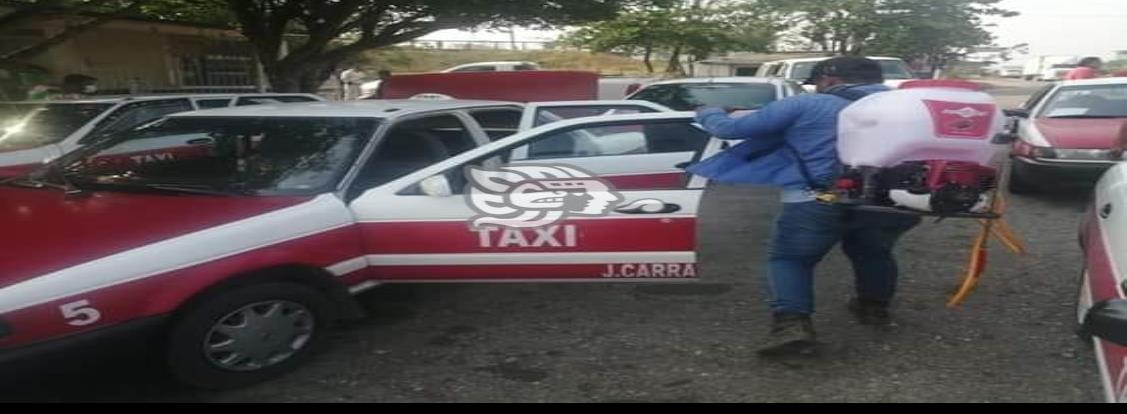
{"x":259,"y":336}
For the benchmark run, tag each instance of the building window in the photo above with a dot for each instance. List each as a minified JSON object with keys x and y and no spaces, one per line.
{"x":217,"y":70}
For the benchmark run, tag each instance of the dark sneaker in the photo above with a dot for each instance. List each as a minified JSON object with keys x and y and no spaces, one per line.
{"x":871,"y":313}
{"x":791,"y":334}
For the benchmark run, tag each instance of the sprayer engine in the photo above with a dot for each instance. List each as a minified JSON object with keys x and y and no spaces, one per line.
{"x":941,"y":187}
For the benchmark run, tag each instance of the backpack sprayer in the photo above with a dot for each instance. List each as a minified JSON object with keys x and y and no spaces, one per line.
{"x":926,"y":149}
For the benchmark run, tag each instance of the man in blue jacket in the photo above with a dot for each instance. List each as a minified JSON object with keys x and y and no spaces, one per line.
{"x":792,"y":144}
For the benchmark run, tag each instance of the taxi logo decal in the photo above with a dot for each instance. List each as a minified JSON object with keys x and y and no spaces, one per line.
{"x":532,"y":196}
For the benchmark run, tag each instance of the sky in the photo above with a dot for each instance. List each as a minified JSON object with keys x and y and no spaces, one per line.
{"x":1050,"y":27}
{"x":1066,"y":27}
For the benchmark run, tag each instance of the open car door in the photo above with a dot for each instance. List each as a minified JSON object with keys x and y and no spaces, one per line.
{"x":482,"y":217}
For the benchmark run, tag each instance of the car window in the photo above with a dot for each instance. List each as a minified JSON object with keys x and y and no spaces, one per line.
{"x":212,"y":103}
{"x":550,"y":114}
{"x":525,"y":67}
{"x":272,"y":99}
{"x":135,"y":114}
{"x":410,"y":146}
{"x":776,"y":70}
{"x":1037,"y":97}
{"x":498,"y":123}
{"x":688,"y":97}
{"x":895,"y":69}
{"x":1105,"y":101}
{"x":746,"y":71}
{"x":620,"y":139}
{"x":801,"y":71}
{"x":267,"y":155}
{"x":34,"y":125}
{"x":612,"y":138}
{"x":477,"y":69}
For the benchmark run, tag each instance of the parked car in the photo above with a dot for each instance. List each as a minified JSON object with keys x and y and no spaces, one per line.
{"x":737,"y":92}
{"x":35,"y":132}
{"x":1102,"y":305}
{"x":896,"y":71}
{"x":494,"y":67}
{"x":1069,"y":134}
{"x":235,"y":236}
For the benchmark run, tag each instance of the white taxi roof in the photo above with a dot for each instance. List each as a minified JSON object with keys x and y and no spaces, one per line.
{"x":385,"y":109}
{"x":114,"y":99}
{"x":819,"y":59}
{"x":1095,"y":82}
{"x":732,"y":79}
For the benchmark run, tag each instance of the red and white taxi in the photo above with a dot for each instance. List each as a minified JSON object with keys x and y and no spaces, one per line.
{"x":1069,"y":133}
{"x":1102,"y":309}
{"x":35,"y":132}
{"x":238,"y":234}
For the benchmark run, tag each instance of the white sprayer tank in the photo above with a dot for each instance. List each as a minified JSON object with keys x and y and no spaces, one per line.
{"x":922,"y":121}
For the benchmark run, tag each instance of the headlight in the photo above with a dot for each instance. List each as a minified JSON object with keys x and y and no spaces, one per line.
{"x":1025,"y":149}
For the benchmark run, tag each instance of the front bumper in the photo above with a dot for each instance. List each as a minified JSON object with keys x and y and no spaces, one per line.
{"x":1060,"y":173}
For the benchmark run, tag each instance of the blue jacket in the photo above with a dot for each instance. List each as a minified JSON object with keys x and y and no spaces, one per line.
{"x":808,"y":123}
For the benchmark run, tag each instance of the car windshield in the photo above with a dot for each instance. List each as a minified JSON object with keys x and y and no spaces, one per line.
{"x":893,"y":70}
{"x":689,"y":96}
{"x":1104,"y":101}
{"x":34,"y":125}
{"x":260,"y":155}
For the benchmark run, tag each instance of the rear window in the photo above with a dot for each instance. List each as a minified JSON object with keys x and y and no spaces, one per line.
{"x":273,"y":99}
{"x":893,"y":70}
{"x":477,"y":69}
{"x":34,"y":125}
{"x":687,"y":97}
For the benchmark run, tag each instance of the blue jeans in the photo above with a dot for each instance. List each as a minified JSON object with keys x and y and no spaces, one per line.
{"x":806,"y":232}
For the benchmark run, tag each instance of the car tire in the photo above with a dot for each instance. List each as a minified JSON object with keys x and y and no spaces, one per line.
{"x":247,"y":335}
{"x":1018,"y":184}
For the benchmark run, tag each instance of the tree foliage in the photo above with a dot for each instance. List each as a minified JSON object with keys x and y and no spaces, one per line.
{"x":932,"y":30}
{"x":332,"y":32}
{"x":676,"y":29}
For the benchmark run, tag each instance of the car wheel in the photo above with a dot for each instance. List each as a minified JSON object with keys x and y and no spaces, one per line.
{"x":1018,"y":183}
{"x":247,"y":335}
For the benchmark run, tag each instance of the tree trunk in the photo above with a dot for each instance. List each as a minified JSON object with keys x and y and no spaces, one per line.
{"x":287,"y":81}
{"x":675,"y":67}
{"x":647,"y":58}
{"x":301,"y":79}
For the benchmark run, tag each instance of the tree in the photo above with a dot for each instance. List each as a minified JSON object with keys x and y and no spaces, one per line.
{"x":696,"y":29}
{"x":935,"y":31}
{"x":329,"y":33}
{"x":89,"y":13}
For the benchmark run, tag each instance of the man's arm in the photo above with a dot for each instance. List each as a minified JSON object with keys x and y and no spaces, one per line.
{"x":768,"y":121}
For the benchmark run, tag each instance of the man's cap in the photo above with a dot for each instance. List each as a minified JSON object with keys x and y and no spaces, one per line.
{"x":850,"y":67}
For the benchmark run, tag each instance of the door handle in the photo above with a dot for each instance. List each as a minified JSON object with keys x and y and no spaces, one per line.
{"x":648,"y":207}
{"x":201,"y":141}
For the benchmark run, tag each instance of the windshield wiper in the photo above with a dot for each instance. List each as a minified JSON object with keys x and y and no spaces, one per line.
{"x":175,"y":188}
{"x":40,"y":181}
{"x":198,"y":190}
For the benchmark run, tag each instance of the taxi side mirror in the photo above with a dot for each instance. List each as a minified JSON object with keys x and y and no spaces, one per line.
{"x":1108,"y":321}
{"x":437,"y":186}
{"x":1017,"y":113}
{"x":1005,"y":138}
